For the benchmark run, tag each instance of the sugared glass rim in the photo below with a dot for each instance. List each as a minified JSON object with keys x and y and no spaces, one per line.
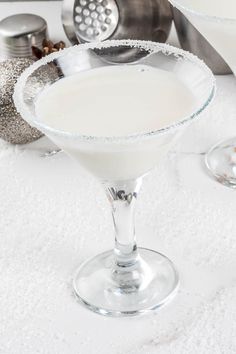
{"x":153,"y":47}
{"x":179,"y":6}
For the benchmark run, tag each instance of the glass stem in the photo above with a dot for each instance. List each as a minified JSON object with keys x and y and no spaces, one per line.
{"x":122,"y":196}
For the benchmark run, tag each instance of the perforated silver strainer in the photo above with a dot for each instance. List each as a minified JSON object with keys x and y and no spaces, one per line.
{"x":95,"y":20}
{"x":98,"y":20}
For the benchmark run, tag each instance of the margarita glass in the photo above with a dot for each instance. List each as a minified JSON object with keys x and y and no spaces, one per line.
{"x":127,"y":280}
{"x":216,"y":21}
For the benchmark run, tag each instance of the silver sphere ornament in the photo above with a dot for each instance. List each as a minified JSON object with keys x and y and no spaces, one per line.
{"x":13,"y":128}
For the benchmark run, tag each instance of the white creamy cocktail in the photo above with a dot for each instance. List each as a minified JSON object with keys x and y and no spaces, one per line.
{"x":218,"y":25}
{"x":117,"y":121}
{"x":216,"y":21}
{"x":116,"y":101}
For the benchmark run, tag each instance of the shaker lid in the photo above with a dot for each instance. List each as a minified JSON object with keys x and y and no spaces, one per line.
{"x":19,"y":32}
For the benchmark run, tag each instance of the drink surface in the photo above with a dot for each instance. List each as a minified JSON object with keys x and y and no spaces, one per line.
{"x":224,"y":9}
{"x":115,"y":101}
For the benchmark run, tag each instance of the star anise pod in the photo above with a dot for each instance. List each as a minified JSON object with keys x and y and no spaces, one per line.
{"x":48,"y":47}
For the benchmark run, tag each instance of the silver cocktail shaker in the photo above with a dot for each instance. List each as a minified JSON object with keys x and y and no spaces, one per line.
{"x":19,"y":32}
{"x":98,"y":20}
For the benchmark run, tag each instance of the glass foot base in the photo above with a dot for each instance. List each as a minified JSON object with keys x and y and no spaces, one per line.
{"x":108,"y":292}
{"x":221,"y":162}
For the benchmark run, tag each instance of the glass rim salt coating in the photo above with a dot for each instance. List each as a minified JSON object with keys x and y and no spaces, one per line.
{"x":152,"y":48}
{"x":182,"y":7}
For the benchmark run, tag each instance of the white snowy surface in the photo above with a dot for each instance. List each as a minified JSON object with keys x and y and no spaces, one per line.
{"x":53,"y":216}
